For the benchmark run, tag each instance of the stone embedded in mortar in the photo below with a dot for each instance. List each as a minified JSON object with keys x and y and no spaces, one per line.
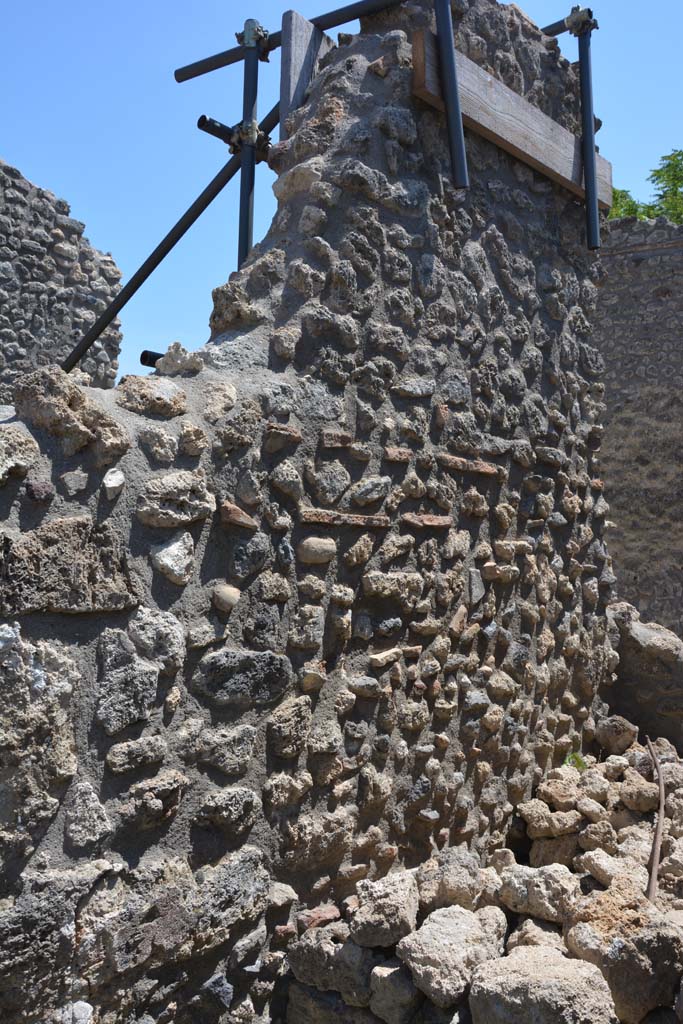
{"x":161,"y":446}
{"x":38,"y":682}
{"x":69,"y":565}
{"x":150,"y":396}
{"x":177,"y":360}
{"x":288,"y":727}
{"x":135,"y":754}
{"x":113,"y":483}
{"x":86,"y":823}
{"x":234,"y":809}
{"x":176,"y":499}
{"x":228,"y":750}
{"x":54,"y":401}
{"x":242,"y":679}
{"x":154,"y":801}
{"x":18,"y":452}
{"x":175,"y":558}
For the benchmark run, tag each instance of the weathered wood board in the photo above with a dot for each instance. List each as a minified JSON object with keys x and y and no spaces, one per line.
{"x":302,"y":47}
{"x":494,"y":111}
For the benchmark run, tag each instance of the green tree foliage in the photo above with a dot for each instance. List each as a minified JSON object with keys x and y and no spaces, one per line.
{"x":624,"y":205}
{"x":668,"y":182}
{"x":668,"y":201}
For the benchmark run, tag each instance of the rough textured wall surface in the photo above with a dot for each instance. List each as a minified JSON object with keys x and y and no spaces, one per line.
{"x":328,"y":597}
{"x":639,"y":332}
{"x":53,"y":286}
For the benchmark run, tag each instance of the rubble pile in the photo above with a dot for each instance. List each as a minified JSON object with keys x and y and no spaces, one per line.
{"x":558,"y":930}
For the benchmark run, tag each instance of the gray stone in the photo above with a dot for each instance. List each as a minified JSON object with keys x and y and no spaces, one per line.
{"x":288,"y":727}
{"x":444,"y":952}
{"x":306,"y":1005}
{"x":387,"y":910}
{"x":136,"y":754}
{"x":242,"y":679}
{"x":328,"y":959}
{"x":66,"y":565}
{"x":394,"y":998}
{"x":86,"y":823}
{"x":545,"y":892}
{"x":234,"y":809}
{"x":540,"y":985}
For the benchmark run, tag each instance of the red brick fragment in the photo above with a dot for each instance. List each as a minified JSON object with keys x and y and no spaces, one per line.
{"x":398,"y":454}
{"x":317,"y":916}
{"x":335,"y":439}
{"x":233,"y":515}
{"x":460,"y":465}
{"x":426,"y":521}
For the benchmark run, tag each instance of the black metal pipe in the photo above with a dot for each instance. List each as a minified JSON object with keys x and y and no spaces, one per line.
{"x":149,"y":358}
{"x":216,"y":128}
{"x":249,"y":140}
{"x":577,"y":21}
{"x":175,"y":234}
{"x":556,"y":29}
{"x":590,"y":176}
{"x":323,"y":22}
{"x":451,"y":94}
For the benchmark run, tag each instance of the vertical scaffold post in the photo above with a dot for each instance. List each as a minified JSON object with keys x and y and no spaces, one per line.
{"x":251,"y":41}
{"x":451,"y":94}
{"x":588,"y":138}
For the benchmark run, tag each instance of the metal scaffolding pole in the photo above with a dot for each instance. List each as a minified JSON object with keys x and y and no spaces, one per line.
{"x":581,"y":23}
{"x":451,"y":94}
{"x":322,"y":21}
{"x":251,"y":39}
{"x":154,"y":259}
{"x":590,"y":176}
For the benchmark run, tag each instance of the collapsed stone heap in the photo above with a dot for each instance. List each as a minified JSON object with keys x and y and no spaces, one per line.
{"x":323,"y":599}
{"x":566,"y":936}
{"x":53,"y":286}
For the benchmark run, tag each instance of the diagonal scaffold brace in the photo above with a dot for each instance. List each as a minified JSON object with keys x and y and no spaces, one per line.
{"x":581,"y":23}
{"x":180,"y":228}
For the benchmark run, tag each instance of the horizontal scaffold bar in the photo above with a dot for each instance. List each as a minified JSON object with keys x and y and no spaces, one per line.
{"x":323,"y":22}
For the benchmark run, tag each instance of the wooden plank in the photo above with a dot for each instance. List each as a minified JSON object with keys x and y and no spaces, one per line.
{"x":302,"y":47}
{"x":494,"y":111}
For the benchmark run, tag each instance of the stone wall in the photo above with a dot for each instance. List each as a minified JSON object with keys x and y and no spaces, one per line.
{"x":322,"y":599}
{"x":639,"y":332}
{"x":53,"y":286}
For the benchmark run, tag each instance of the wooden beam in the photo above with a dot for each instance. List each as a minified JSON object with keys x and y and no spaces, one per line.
{"x":302,"y":47}
{"x":494,"y":111}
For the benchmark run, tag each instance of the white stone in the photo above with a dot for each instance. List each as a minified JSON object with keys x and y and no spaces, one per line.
{"x":113,"y":483}
{"x":175,"y":558}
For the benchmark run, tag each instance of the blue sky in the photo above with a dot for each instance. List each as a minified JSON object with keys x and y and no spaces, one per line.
{"x":91,"y":111}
